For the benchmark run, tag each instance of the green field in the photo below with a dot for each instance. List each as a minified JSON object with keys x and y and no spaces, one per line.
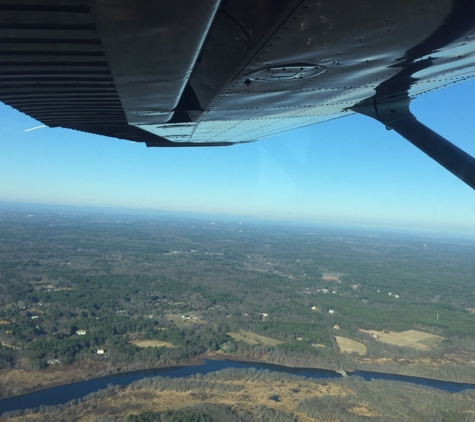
{"x":152,"y":343}
{"x":251,"y":338}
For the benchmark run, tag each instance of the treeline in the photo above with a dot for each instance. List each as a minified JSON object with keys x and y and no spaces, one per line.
{"x":7,"y":357}
{"x":208,"y":412}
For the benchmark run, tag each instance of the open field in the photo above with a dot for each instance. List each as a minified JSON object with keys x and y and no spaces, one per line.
{"x":364,"y":410}
{"x":347,"y":345}
{"x":180,"y":322}
{"x":251,"y":338}
{"x":152,"y":343}
{"x":331,"y":276}
{"x":410,"y":338}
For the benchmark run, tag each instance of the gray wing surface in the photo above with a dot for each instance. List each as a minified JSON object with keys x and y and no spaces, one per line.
{"x":210,"y":72}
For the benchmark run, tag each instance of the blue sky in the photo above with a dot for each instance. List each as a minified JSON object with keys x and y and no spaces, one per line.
{"x":350,"y":170}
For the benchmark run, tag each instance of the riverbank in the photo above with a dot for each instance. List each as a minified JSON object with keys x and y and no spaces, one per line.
{"x":237,"y":386}
{"x":16,"y":382}
{"x":263,"y":390}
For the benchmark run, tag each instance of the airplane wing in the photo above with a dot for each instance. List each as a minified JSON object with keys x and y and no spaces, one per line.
{"x":213,"y":73}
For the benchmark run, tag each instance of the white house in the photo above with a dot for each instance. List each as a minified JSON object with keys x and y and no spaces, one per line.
{"x":100,"y":352}
{"x":81,"y":332}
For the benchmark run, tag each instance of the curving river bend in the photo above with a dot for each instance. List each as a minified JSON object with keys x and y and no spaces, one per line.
{"x":64,"y":393}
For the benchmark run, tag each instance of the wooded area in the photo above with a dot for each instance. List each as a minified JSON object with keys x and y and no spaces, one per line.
{"x":75,"y":284}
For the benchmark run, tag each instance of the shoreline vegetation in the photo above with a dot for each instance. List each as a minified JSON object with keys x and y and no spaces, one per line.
{"x":245,"y":395}
{"x":55,"y":377}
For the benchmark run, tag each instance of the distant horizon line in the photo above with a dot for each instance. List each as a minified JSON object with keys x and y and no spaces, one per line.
{"x":348,"y":222}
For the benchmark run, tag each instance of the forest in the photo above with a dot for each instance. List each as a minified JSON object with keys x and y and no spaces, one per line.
{"x":86,"y":287}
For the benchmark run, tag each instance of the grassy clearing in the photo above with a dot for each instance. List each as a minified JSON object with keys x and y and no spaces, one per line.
{"x":152,"y":343}
{"x":251,"y":338}
{"x":332,"y":276}
{"x":364,"y":410}
{"x":347,"y":345}
{"x":410,"y":338}
{"x":9,"y":346}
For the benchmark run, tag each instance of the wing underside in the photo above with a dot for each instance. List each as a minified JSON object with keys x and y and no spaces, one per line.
{"x":210,"y":72}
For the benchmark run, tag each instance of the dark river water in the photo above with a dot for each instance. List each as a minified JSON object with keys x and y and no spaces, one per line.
{"x":58,"y":395}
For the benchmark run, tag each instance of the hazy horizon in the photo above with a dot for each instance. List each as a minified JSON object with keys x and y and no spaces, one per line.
{"x":348,"y":224}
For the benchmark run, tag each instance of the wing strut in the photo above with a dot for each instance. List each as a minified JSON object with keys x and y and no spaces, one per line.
{"x":398,"y":117}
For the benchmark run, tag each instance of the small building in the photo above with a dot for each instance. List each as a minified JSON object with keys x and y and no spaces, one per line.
{"x":314,"y":308}
{"x":100,"y":352}
{"x":34,"y":317}
{"x":331,"y":311}
{"x":81,"y":332}
{"x":396,"y":296}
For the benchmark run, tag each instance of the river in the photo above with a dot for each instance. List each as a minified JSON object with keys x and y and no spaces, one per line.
{"x":64,"y":393}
